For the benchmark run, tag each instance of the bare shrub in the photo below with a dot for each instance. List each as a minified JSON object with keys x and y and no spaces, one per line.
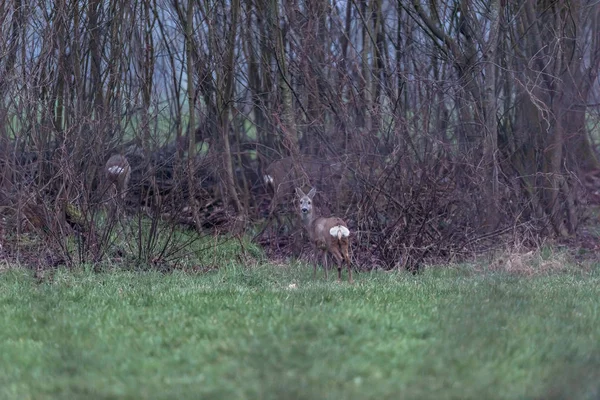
{"x":71,"y":215}
{"x":434,"y":132}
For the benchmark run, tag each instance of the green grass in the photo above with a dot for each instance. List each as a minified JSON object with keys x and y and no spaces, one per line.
{"x":241,"y":333}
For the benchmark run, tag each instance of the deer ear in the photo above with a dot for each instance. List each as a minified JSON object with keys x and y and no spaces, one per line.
{"x":312,"y":193}
{"x":299,"y":192}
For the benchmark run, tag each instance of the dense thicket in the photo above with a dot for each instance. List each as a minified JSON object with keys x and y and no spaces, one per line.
{"x":448,"y":123}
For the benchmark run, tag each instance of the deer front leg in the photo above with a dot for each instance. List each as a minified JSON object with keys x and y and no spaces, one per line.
{"x":315,"y":259}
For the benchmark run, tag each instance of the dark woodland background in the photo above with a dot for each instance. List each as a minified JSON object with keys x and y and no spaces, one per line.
{"x":436,"y":129}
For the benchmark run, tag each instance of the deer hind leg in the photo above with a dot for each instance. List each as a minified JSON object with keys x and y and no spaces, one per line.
{"x":338,"y":258}
{"x":344,"y":248}
{"x":274,"y":221}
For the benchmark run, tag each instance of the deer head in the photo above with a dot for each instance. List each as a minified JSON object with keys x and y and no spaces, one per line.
{"x":282,"y":176}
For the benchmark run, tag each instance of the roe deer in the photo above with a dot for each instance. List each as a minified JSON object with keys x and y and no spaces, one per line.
{"x":118,"y":171}
{"x":328,"y":235}
{"x":282,"y":176}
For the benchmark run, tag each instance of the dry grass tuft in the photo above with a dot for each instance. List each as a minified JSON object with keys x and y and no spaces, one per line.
{"x":528,"y":262}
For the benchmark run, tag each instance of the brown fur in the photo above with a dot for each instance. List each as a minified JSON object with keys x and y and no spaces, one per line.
{"x":318,"y":229}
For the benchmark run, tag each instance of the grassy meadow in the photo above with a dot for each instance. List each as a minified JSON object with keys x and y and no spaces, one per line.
{"x":241,"y":332}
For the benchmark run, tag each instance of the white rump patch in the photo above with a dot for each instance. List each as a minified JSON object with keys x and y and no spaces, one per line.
{"x":339,"y":231}
{"x":116,"y":170}
{"x":268,"y":179}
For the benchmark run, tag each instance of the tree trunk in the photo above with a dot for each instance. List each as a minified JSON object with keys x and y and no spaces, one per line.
{"x":225,"y":111}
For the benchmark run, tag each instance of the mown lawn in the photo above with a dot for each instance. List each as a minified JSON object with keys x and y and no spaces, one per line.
{"x":241,"y":333}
